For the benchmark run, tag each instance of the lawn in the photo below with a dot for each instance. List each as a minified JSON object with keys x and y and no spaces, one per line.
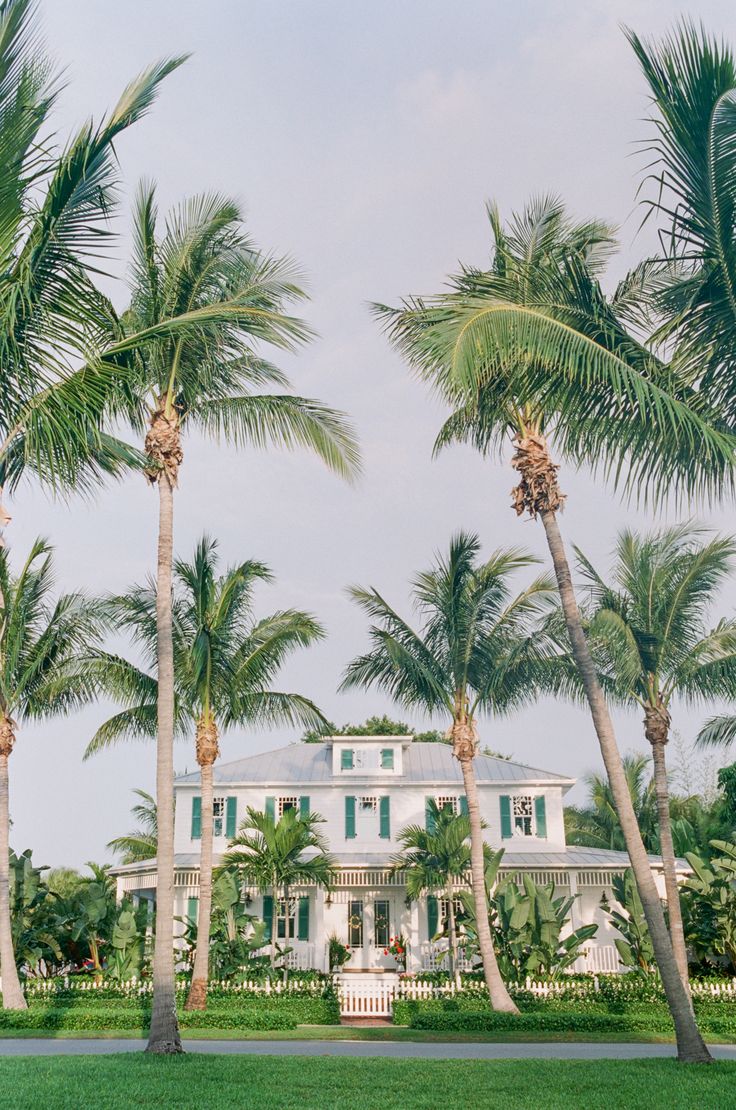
{"x":272,"y":1083}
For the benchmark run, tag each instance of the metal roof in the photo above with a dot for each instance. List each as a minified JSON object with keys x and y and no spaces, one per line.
{"x":572,"y":857}
{"x":312,"y":763}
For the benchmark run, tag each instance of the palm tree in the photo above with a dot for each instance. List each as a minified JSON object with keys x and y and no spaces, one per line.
{"x":530,"y":348}
{"x":37,"y":639}
{"x":275,"y":856}
{"x":596,"y":824}
{"x":691,"y":162}
{"x":652,"y":644}
{"x":479,"y":650}
{"x":224,"y":663}
{"x":204,"y":274}
{"x":141,"y":843}
{"x":433,"y":860}
{"x":55,"y":207}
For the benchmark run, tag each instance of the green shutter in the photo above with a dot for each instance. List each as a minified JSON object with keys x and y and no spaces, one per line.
{"x":463,"y":806}
{"x":267,"y":916}
{"x":540,"y":812}
{"x":387,"y":759}
{"x":304,"y":808}
{"x":429,"y":821}
{"x":432,"y":916}
{"x":231,"y":813}
{"x":349,"y":817}
{"x":346,"y":759}
{"x":505,"y":817}
{"x":271,"y":808}
{"x":196,"y":818}
{"x":384,"y":810}
{"x":192,"y":910}
{"x":302,"y":925}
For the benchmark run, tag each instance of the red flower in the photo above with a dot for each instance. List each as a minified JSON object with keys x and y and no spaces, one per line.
{"x":385,"y":951}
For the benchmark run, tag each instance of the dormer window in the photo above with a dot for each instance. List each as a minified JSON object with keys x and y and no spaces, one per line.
{"x":523,"y":815}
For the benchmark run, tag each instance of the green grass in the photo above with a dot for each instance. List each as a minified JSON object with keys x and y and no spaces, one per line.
{"x":271,"y":1083}
{"x":359,"y":1033}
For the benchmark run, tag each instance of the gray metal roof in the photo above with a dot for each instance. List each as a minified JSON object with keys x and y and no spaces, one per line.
{"x":312,"y":763}
{"x":573,"y":857}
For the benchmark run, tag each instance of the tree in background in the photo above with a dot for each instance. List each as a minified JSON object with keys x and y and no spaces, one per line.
{"x":272,"y":855}
{"x":140,"y":844}
{"x":38,"y":638}
{"x":225,"y":661}
{"x":479,"y":650}
{"x":433,"y":860}
{"x":653,"y":643}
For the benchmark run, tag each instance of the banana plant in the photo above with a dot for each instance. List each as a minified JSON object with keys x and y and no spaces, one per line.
{"x":709,"y":895}
{"x":634,"y":944}
{"x":527,"y":923}
{"x":127,"y":943}
{"x":34,"y":924}
{"x":235,"y":934}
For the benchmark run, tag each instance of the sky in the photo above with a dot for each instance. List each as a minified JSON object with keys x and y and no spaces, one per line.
{"x":362,"y":139}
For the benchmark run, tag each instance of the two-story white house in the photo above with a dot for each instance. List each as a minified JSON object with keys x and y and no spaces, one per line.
{"x":367,"y":789}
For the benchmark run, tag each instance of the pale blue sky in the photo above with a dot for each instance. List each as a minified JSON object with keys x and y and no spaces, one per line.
{"x":363,"y":138}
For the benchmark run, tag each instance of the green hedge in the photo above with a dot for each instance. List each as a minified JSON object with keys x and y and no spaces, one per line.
{"x":241,"y":1011}
{"x":468,"y":1015}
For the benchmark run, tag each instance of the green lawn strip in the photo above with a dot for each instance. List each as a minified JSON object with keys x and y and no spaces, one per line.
{"x":380,"y":1034}
{"x":323,"y":1083}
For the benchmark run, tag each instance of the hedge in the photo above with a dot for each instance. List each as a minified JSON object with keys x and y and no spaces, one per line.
{"x":470,"y":1016}
{"x":240,"y":1012}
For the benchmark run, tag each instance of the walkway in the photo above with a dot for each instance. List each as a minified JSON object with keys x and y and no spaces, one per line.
{"x":405,"y":1050}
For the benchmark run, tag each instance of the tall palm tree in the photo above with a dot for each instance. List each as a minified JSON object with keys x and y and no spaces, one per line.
{"x":691,"y":165}
{"x":38,"y":637}
{"x":479,"y":650}
{"x":225,"y":660}
{"x":653,"y":644}
{"x":433,"y":860}
{"x":531,"y":348}
{"x":141,"y":843}
{"x":277,"y":855}
{"x":203,"y":269}
{"x":55,"y":206}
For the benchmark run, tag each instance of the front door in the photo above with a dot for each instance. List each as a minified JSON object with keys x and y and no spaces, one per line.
{"x":360,"y":951}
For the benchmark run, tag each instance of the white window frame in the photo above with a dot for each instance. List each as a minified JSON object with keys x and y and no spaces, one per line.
{"x":522,"y":824}
{"x":281,"y":919}
{"x":367,"y":803}
{"x":448,"y":800}
{"x":218,"y":816}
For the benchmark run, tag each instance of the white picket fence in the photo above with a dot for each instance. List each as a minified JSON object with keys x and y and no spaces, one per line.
{"x":375,"y":999}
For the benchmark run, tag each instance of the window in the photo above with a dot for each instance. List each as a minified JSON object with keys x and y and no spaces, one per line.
{"x":381,"y":923}
{"x":218,"y":816}
{"x":447,"y":802}
{"x":282,"y":919}
{"x":387,"y":759}
{"x":521,"y":812}
{"x":347,"y":759}
{"x":355,"y":924}
{"x":367,"y":805}
{"x":287,"y":803}
{"x":444,"y":908}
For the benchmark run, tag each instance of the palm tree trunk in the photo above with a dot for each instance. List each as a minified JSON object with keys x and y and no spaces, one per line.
{"x":287,"y":930}
{"x":454,"y":973}
{"x":667,"y":848}
{"x":163,"y":1036}
{"x":274,"y":923}
{"x":12,"y":994}
{"x":197,"y":998}
{"x":690,"y":1045}
{"x":499,"y":996}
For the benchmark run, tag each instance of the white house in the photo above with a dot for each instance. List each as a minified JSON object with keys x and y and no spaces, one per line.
{"x":368,"y":788}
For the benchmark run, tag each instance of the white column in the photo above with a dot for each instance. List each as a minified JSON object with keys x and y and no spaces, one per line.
{"x":415,"y":950}
{"x":320,"y":940}
{"x":369,"y":913}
